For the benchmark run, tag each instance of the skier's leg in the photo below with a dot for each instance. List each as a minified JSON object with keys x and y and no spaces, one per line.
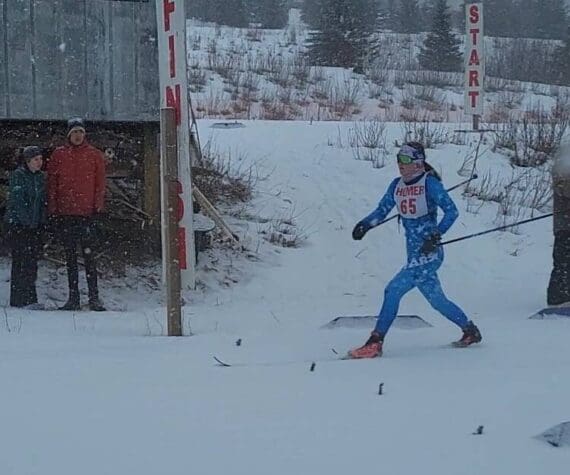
{"x":430,"y":287}
{"x":399,"y":286}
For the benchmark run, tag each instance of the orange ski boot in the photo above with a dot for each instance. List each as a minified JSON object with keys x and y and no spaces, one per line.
{"x":471,"y":334}
{"x":371,"y":349}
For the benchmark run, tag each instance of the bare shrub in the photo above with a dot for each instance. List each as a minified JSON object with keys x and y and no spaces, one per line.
{"x":317,"y":74}
{"x":377,"y":74}
{"x":368,"y":142}
{"x":251,"y":81}
{"x":275,"y":110}
{"x":280,"y":73}
{"x":195,"y":42}
{"x":535,"y":187}
{"x":369,"y":134}
{"x":510,"y":100}
{"x":197,"y":78}
{"x":495,"y":84}
{"x":526,"y":191}
{"x":425,"y":131}
{"x":254,"y":34}
{"x":345,"y":97}
{"x":283,"y":231}
{"x":435,"y":79}
{"x":376,"y":91}
{"x":212,"y":105}
{"x":533,"y":139}
{"x":220,"y":179}
{"x":222,"y":64}
{"x":300,"y":68}
{"x":408,"y":100}
{"x":285,"y":95}
{"x":498,"y":114}
{"x":487,"y":188}
{"x":469,"y":164}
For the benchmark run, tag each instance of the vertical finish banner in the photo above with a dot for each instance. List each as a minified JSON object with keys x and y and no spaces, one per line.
{"x":474,"y":60}
{"x":172,"y":63}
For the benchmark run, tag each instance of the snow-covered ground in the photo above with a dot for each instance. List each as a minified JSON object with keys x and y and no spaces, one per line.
{"x":108,"y":394}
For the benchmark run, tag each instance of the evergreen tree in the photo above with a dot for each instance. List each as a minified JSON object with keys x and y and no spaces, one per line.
{"x":270,"y":13}
{"x":343,"y":32}
{"x":200,"y":9}
{"x":498,"y":15}
{"x":310,"y":13}
{"x":408,"y":17}
{"x":440,"y":51}
{"x":223,"y":12}
{"x":231,"y":12}
{"x":562,"y":61}
{"x":458,"y":18}
{"x":546,"y":19}
{"x":386,"y":15}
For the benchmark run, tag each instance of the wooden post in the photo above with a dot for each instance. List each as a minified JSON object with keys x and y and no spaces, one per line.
{"x":170,"y":217}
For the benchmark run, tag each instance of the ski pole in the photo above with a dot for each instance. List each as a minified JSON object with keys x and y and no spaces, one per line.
{"x":464,"y":182}
{"x":469,"y":236}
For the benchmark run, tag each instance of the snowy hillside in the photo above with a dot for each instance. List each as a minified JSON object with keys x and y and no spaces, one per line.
{"x":94,"y":394}
{"x":237,"y":73}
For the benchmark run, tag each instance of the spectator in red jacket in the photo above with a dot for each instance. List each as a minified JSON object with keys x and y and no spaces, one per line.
{"x":76,"y":196}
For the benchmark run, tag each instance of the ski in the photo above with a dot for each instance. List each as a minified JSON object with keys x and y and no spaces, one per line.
{"x":560,"y":311}
{"x":338,"y":357}
{"x":221,"y":363}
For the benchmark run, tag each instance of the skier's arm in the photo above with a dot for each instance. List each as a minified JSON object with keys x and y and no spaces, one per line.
{"x":384,"y":207}
{"x":437,"y":193}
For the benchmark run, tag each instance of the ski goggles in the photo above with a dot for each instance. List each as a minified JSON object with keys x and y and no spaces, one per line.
{"x":404,"y":159}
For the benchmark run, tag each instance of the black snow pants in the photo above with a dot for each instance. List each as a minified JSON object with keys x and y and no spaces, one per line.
{"x":26,"y":244}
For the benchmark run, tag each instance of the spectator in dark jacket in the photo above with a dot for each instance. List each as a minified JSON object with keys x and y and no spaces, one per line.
{"x":25,"y":217}
{"x":76,"y":196}
{"x":559,"y":285}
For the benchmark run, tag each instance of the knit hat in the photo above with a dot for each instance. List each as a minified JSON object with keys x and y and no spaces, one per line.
{"x":30,"y":152}
{"x":75,"y":124}
{"x":412,"y":152}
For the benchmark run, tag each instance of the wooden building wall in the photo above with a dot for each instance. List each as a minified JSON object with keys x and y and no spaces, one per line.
{"x":91,"y":58}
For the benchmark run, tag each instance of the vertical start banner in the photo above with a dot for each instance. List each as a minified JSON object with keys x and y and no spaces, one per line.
{"x":172,"y":64}
{"x":474,"y":60}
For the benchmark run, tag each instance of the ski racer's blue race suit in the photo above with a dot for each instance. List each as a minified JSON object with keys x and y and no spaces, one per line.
{"x":417,"y":202}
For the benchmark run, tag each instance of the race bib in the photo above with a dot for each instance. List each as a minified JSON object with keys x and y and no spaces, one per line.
{"x":411,"y":200}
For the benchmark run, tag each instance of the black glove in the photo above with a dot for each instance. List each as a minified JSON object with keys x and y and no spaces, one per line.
{"x":431,"y":243}
{"x":360,"y":230}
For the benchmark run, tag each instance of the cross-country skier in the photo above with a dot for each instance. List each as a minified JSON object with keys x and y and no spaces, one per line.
{"x":417,"y":194}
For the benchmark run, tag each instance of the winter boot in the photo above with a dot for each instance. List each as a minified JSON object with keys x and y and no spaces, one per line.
{"x":371,"y":349}
{"x":71,"y":305}
{"x":471,"y":334}
{"x":95,"y":305}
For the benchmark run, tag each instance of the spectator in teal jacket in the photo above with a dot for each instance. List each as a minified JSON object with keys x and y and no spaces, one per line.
{"x":25,"y":217}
